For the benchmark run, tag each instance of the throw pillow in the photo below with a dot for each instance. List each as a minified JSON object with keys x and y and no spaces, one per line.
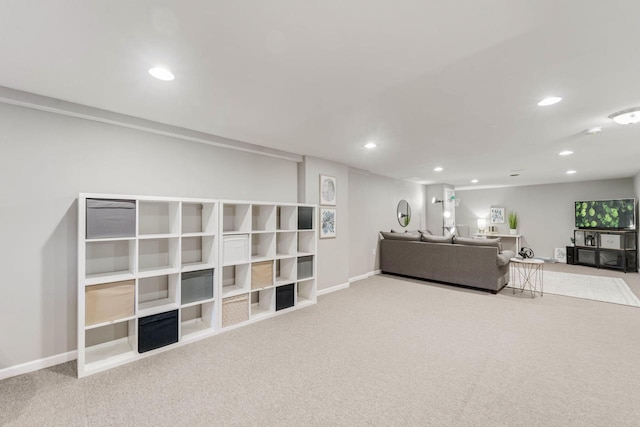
{"x":494,"y":243}
{"x":436,"y":239}
{"x":414,"y":233}
{"x":400,"y":236}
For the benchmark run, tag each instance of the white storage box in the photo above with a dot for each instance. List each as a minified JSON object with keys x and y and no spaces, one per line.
{"x":236,"y":249}
{"x":610,"y":241}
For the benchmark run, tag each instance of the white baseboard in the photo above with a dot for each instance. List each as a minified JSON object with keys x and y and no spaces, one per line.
{"x":364,"y":276}
{"x":36,"y":365}
{"x":332,"y":289}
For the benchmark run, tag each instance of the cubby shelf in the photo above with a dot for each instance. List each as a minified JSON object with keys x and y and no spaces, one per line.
{"x":280,"y":234}
{"x":185,"y":266}
{"x":151,"y":242}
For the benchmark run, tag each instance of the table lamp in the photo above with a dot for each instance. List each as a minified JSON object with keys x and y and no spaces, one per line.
{"x":482,"y":225}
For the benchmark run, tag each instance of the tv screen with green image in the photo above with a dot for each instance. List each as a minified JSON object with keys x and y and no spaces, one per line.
{"x":609,"y":214}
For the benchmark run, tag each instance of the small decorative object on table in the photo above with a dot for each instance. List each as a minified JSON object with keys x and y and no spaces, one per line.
{"x":513,"y":222}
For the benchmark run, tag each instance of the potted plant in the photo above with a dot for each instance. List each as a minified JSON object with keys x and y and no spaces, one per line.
{"x":513,"y":223}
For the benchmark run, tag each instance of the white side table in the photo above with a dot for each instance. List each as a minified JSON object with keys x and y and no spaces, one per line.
{"x":527,"y":272}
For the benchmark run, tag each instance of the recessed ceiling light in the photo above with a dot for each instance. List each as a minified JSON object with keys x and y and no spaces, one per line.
{"x":594,"y":130}
{"x":161,"y":74}
{"x":438,"y":169}
{"x":571,"y":172}
{"x":626,"y":117}
{"x":474,"y":181}
{"x":370,"y":145}
{"x":550,"y":100}
{"x":565,"y":152}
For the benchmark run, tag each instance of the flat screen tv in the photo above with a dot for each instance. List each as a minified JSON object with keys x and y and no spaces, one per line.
{"x":607,"y":214}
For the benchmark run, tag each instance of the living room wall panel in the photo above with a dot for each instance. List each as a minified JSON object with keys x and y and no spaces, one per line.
{"x":373,"y":200}
{"x":46,"y":160}
{"x":332,"y":269}
{"x":545,"y":212}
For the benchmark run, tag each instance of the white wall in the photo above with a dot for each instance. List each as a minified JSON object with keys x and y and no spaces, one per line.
{"x":333,"y":254}
{"x":45,"y":161}
{"x":373,"y":202}
{"x":545,"y":212}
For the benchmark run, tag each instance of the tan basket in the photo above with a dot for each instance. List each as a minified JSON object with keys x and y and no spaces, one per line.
{"x":235,"y":310}
{"x":108,"y":302}
{"x":261,"y":274}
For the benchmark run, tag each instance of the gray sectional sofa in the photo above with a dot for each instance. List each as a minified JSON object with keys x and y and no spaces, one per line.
{"x":467,"y":262}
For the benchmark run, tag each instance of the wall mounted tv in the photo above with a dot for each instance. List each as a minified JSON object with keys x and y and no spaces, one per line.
{"x":608,"y":214}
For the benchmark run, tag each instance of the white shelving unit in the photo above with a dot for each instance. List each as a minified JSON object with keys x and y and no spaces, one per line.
{"x":165,"y":238}
{"x":158,"y":267}
{"x":276,"y":242}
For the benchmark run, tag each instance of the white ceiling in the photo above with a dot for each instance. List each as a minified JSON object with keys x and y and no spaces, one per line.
{"x":446,"y":83}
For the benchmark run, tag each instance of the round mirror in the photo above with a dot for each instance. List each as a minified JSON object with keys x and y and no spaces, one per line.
{"x":404,"y":213}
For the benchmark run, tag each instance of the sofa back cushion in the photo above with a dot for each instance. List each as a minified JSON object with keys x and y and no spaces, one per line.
{"x":400,"y":236}
{"x":495,"y":243}
{"x":436,"y":239}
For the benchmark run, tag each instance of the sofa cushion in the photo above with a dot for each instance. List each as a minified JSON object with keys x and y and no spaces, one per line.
{"x":427,"y":232}
{"x":495,"y":243}
{"x":414,"y":233}
{"x":400,"y":236}
{"x":436,"y":239}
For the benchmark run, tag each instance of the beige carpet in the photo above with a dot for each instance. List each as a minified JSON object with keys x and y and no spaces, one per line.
{"x":596,"y":288}
{"x":386,"y":351}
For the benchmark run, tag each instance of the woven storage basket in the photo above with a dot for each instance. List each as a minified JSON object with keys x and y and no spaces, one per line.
{"x":261,"y":274}
{"x":108,"y":302}
{"x":235,"y":310}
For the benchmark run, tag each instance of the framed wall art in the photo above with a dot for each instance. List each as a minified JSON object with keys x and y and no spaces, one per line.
{"x":327,"y":223}
{"x":496,"y":215}
{"x":328,"y":190}
{"x":560,"y":254}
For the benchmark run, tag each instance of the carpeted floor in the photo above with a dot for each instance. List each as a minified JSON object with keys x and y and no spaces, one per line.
{"x":386,"y":351}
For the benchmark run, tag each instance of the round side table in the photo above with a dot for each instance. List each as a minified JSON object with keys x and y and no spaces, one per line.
{"x":527,"y":272}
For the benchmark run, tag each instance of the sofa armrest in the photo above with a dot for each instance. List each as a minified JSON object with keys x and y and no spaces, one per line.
{"x":504,"y":257}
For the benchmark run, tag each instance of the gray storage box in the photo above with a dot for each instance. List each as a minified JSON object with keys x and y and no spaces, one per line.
{"x":196,"y":286}
{"x":111,"y":218}
{"x":305,"y":267}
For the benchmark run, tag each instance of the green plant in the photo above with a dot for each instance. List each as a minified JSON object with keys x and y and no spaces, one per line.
{"x":513,"y":220}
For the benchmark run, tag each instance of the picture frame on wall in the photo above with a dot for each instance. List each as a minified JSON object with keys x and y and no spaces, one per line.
{"x":328,"y":190}
{"x":327,"y":223}
{"x":496,"y":215}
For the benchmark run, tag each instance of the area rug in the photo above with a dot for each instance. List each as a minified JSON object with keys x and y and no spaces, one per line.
{"x":597,"y":288}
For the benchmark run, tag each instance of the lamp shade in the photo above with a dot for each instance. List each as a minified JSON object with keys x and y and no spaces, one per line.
{"x":482,"y":223}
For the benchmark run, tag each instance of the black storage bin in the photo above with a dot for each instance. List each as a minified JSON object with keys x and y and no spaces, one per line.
{"x":571,"y":257}
{"x":587,"y":256}
{"x":284,"y":297}
{"x":111,"y":218}
{"x":157,"y":331}
{"x":305,"y":267}
{"x":196,"y":286}
{"x":305,"y":218}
